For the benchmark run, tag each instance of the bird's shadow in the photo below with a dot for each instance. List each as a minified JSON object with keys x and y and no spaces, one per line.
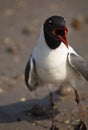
{"x":21,"y":110}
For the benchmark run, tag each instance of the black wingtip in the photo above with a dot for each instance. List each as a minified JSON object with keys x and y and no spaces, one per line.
{"x":27,"y":68}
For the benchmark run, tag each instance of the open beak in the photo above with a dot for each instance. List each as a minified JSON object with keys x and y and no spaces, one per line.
{"x":61,"y":33}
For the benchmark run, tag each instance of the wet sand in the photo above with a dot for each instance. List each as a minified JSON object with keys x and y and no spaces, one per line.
{"x":20,"y":23}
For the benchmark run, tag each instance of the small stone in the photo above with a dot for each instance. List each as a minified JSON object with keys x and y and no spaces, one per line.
{"x":9,"y":12}
{"x":65,"y":89}
{"x":33,"y":124}
{"x":23,"y":99}
{"x":18,"y":119}
{"x":12,"y":50}
{"x":7,"y":40}
{"x":1,"y":90}
{"x":38,"y":110}
{"x":11,"y":82}
{"x":77,"y":22}
{"x":69,"y":126}
{"x":66,"y":122}
{"x":26,"y":31}
{"x":16,"y":59}
{"x":19,"y":77}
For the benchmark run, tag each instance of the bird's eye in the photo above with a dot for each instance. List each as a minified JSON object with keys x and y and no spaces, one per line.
{"x":51,"y":23}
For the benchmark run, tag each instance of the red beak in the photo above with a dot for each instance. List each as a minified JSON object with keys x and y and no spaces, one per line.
{"x":61,"y":33}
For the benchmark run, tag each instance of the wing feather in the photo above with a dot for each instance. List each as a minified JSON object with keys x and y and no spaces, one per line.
{"x":31,"y":78}
{"x":79,"y":64}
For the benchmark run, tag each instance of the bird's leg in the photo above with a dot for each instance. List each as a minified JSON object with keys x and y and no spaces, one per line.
{"x":81,"y":125}
{"x":52,"y":102}
{"x":79,"y":105}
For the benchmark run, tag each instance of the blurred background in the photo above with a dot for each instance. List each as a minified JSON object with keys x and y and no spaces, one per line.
{"x":20,"y":23}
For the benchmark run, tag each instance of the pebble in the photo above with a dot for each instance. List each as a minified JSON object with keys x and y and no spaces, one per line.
{"x":7,"y":40}
{"x":33,"y":28}
{"x":18,"y":119}
{"x":66,"y":122}
{"x":11,"y":49}
{"x":33,"y":124}
{"x":77,"y":22}
{"x":26,"y":31}
{"x":16,"y":59}
{"x":11,"y":82}
{"x":23,"y":99}
{"x":1,"y":90}
{"x":30,"y":30}
{"x":69,"y":127}
{"x":65,"y":89}
{"x":38,"y":110}
{"x":9,"y":12}
{"x":19,"y":77}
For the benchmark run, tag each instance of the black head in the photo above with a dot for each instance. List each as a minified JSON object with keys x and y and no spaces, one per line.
{"x":55,"y":31}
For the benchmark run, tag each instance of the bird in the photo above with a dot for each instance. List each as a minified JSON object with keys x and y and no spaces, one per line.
{"x":54,"y":61}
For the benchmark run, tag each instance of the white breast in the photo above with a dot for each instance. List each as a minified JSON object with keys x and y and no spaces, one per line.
{"x":50,"y":64}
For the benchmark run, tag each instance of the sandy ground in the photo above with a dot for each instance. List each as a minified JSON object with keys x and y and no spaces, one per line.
{"x":20,"y":22}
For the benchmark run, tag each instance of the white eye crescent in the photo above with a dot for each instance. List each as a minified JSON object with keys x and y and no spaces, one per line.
{"x":50,"y":22}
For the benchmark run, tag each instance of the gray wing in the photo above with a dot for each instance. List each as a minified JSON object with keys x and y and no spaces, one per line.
{"x":31,"y":78}
{"x":79,"y":64}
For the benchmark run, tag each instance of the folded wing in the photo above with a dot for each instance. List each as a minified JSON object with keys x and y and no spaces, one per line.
{"x":31,"y":78}
{"x":79,"y":64}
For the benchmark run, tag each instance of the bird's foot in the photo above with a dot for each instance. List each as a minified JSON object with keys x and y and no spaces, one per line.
{"x":81,"y":126}
{"x":53,"y":127}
